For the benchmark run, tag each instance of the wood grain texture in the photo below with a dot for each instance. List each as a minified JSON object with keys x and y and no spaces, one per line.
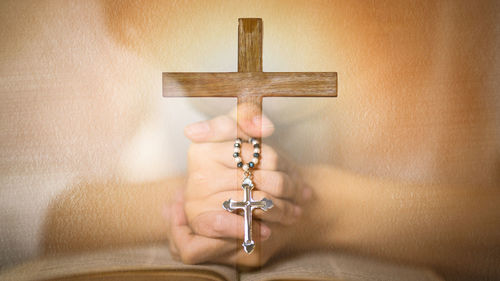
{"x":249,"y":60}
{"x":264,"y":84}
{"x":249,"y":45}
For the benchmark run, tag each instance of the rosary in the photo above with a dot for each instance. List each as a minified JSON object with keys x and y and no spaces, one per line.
{"x":248,"y":204}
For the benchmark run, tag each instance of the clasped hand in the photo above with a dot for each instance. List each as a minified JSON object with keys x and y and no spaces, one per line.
{"x":200,"y":230}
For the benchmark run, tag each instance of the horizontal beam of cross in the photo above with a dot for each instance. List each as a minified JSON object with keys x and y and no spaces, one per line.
{"x":260,"y":84}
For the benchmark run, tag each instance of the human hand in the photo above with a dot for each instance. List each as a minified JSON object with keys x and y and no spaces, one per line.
{"x":201,"y":230}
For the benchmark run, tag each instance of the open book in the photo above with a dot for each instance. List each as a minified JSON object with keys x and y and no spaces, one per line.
{"x":155,"y":263}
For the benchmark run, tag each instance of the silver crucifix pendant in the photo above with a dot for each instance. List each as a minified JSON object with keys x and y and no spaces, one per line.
{"x":247,"y":205}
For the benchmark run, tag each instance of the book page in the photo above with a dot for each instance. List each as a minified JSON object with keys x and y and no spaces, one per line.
{"x":336,"y":266}
{"x":152,"y":262}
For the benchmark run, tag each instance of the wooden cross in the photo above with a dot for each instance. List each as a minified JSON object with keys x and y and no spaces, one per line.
{"x":249,"y":85}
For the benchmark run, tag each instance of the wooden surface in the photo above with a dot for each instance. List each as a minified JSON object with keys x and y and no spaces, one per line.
{"x":264,"y":84}
{"x":249,"y":45}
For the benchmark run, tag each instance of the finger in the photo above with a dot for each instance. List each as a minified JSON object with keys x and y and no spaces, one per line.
{"x":167,"y":215}
{"x":174,"y":252}
{"x":283,"y":211}
{"x":193,"y":248}
{"x":228,"y":259}
{"x":222,"y":224}
{"x":276,"y":183}
{"x":251,"y":120}
{"x":223,"y":128}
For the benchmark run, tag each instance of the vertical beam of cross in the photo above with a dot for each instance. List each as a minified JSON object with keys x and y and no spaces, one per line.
{"x":249,"y":60}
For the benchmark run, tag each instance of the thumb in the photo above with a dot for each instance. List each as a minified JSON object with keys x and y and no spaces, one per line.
{"x":223,"y":128}
{"x":252,"y":121}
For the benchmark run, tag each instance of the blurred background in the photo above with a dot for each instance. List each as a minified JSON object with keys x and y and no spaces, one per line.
{"x":80,"y":92}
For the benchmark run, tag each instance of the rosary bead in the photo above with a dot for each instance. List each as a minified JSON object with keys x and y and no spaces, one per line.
{"x":237,"y":154}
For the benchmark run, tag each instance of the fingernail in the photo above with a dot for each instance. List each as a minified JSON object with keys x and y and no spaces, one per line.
{"x":198,"y":129}
{"x":265,"y":232}
{"x":297,"y":211}
{"x":307,"y":193}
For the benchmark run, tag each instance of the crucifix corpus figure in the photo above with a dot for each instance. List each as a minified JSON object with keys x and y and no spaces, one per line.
{"x":249,"y":85}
